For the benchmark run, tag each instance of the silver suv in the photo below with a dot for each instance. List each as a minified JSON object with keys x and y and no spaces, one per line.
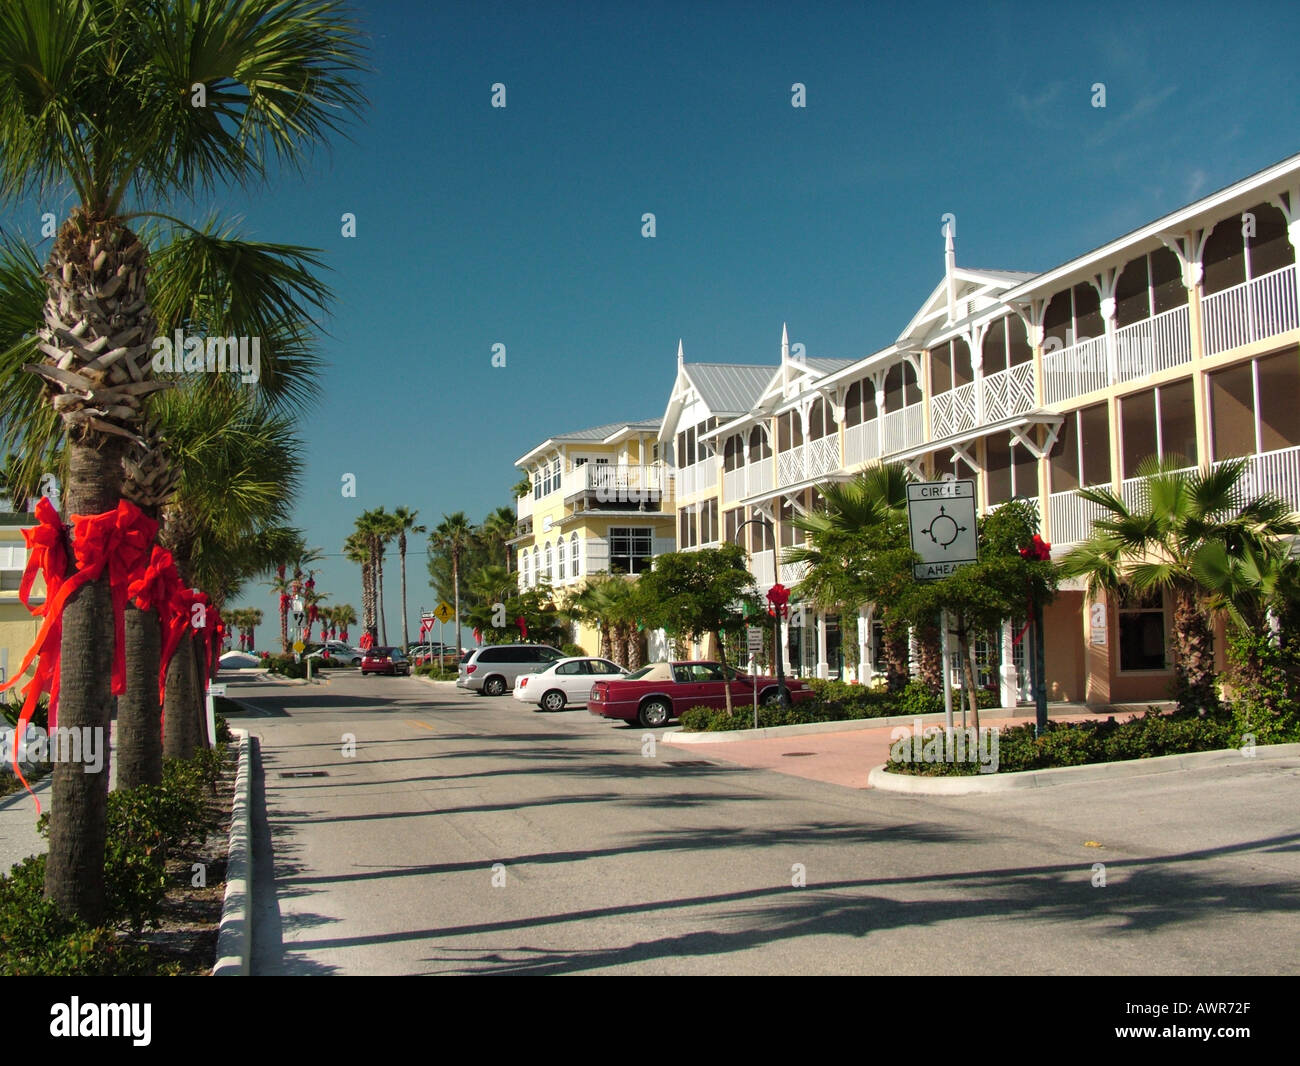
{"x":492,"y":670}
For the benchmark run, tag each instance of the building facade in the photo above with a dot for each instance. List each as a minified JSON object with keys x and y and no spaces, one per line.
{"x":1180,"y":339}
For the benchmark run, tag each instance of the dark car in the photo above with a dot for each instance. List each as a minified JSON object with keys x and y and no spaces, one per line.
{"x":660,"y":691}
{"x":385,"y":661}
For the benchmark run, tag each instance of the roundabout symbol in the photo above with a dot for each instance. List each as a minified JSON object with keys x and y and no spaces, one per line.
{"x":943,"y":529}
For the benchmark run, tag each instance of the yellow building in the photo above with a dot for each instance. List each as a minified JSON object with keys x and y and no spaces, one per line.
{"x":601,"y":502}
{"x":18,"y":628}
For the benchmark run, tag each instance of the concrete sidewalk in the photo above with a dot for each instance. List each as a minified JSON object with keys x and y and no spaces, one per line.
{"x":847,"y":758}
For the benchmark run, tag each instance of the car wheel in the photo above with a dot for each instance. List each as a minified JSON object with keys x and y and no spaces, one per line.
{"x":771,"y":699}
{"x":553,"y":700}
{"x":494,"y":686}
{"x":654,"y":714}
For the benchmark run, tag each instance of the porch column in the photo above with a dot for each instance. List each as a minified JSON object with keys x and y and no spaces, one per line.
{"x":823,"y":667}
{"x":1010,"y":684}
{"x":865,"y":668}
{"x":790,"y":667}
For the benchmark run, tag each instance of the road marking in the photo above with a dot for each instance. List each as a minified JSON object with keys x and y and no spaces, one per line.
{"x":419,"y":725}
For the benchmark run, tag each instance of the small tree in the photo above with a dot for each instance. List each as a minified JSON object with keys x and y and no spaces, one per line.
{"x":698,"y":594}
{"x":980,"y":597}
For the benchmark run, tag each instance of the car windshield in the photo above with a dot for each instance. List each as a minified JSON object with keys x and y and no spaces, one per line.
{"x":637,"y":675}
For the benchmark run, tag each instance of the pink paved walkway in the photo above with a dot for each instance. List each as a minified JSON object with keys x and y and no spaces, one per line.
{"x":843,"y":758}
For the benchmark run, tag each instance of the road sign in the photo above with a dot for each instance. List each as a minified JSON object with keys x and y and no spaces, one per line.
{"x":754,"y":636}
{"x":443,"y":612}
{"x":217,"y":690}
{"x":299,"y":646}
{"x":941,"y":519}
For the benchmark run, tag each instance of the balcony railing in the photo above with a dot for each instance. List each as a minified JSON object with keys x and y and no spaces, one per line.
{"x":1008,"y":392}
{"x":615,"y":483}
{"x":1133,"y":490}
{"x":1074,"y":371}
{"x":789,"y":466}
{"x":1153,"y":344}
{"x":903,"y":429}
{"x":1071,"y":517}
{"x":950,"y":412}
{"x":760,"y":565}
{"x":1277,"y":472}
{"x":524,"y":506}
{"x":862,"y":443}
{"x":697,"y":477}
{"x":823,"y":455}
{"x":792,"y":573}
{"x":1252,"y":311}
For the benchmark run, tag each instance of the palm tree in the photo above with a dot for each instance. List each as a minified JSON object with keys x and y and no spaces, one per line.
{"x":357,"y":549}
{"x":852,"y":555}
{"x":453,"y":537}
{"x":405,"y":522}
{"x":496,"y":532}
{"x":97,"y":99}
{"x":1185,"y":524}
{"x":379,"y":528}
{"x":342,"y":616}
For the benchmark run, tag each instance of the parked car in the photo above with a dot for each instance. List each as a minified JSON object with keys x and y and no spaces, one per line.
{"x":661,"y":691}
{"x":567,"y":681}
{"x":433,"y":653}
{"x":385,"y":661}
{"x":492,"y":670}
{"x":340,"y":652}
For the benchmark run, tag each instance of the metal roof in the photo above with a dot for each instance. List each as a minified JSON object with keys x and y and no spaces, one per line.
{"x":729,"y":388}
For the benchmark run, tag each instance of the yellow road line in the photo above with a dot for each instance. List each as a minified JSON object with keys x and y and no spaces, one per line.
{"x":419,"y":725}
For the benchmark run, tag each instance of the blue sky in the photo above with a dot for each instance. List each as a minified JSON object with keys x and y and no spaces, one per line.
{"x":522,"y":225}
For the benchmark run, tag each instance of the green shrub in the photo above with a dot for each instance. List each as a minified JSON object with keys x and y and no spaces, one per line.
{"x":572,"y":649}
{"x":12,"y":706}
{"x":284,"y":666}
{"x":431,"y":670}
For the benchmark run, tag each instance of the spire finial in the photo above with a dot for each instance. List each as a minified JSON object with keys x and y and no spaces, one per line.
{"x":785,"y":344}
{"x":680,"y":356}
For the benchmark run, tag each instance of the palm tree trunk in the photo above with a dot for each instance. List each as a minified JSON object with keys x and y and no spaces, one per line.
{"x":180,"y":736}
{"x":284,"y":624}
{"x":606,"y":643}
{"x":455,"y":586}
{"x":74,"y":871}
{"x":896,"y":657}
{"x":929,"y":642}
{"x":139,"y":718}
{"x":968,"y":673}
{"x":1194,"y":676}
{"x":406,"y":634}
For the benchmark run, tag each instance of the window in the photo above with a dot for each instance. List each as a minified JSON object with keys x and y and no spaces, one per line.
{"x":818,"y":419}
{"x":688,"y":528}
{"x":546,"y":557}
{"x":602,"y":666}
{"x":731,"y":524}
{"x":560,"y":558}
{"x":1094,"y":445}
{"x":629,"y":550}
{"x":1252,"y":406}
{"x":901,"y":388}
{"x":13,"y":560}
{"x":1141,"y":630}
{"x":537,"y":570}
{"x":760,"y":533}
{"x":709,"y":522}
{"x":537,"y":485}
{"x":789,"y":535}
{"x":759,"y":448}
{"x":565,"y":669}
{"x":853,"y":405}
{"x":573,"y":555}
{"x":523,"y":567}
{"x":1160,"y":422}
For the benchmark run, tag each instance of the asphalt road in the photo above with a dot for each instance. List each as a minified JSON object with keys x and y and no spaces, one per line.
{"x":613,"y":858}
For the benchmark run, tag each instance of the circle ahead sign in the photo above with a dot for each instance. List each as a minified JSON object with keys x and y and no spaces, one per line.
{"x":941,"y":518}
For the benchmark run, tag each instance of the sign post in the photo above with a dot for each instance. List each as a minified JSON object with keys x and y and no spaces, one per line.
{"x":941,"y":522}
{"x":443,"y":613}
{"x":754,"y":637}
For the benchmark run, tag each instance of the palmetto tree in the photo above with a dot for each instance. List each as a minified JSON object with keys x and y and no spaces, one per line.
{"x":454,"y":536}
{"x":157,"y":100}
{"x":495,"y":533}
{"x":357,"y":549}
{"x":405,"y":523}
{"x":341,"y":616}
{"x":853,"y":552}
{"x":378,"y":527}
{"x":1186,"y":523}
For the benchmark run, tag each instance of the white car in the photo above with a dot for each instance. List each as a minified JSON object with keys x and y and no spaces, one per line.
{"x":341,"y":652}
{"x":564,"y":682}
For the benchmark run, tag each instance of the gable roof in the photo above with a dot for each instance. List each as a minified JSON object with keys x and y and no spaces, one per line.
{"x":728,"y":388}
{"x":601,"y":434}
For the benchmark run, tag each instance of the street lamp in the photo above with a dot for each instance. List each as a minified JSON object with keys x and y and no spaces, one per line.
{"x":782,"y":694}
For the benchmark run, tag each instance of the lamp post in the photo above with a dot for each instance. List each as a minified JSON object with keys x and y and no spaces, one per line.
{"x":783,"y":695}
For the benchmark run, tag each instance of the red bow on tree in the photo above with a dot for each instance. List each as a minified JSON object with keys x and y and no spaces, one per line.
{"x":1038,"y":551}
{"x":779,"y":597}
{"x":523,"y":627}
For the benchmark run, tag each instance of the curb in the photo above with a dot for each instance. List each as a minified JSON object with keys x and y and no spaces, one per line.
{"x":848,"y":725}
{"x":431,"y":681}
{"x":881,"y":779}
{"x":234,"y":936}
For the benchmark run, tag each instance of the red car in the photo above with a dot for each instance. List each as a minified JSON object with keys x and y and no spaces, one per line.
{"x":385,"y":661}
{"x":660,"y":691}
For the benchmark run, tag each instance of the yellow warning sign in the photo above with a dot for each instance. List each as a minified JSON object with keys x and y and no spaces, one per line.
{"x":443,"y":612}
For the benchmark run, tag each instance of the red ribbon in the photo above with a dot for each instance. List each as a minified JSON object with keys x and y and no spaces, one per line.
{"x":48,"y":555}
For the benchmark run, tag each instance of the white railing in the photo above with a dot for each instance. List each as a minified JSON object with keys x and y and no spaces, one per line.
{"x":1153,"y":344}
{"x":862,"y":443}
{"x":733,"y":484}
{"x":524,"y":506}
{"x":1133,"y":490}
{"x":760,"y":565}
{"x":952,"y":412}
{"x":1071,"y":517}
{"x":759,"y":476}
{"x":1255,"y":309}
{"x":1276,"y":472}
{"x":903,"y":429}
{"x":697,"y":477}
{"x":1008,"y":392}
{"x":793,"y":573}
{"x":790,"y":466}
{"x":614,"y":482}
{"x":1074,"y":371}
{"x":823,"y":455}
